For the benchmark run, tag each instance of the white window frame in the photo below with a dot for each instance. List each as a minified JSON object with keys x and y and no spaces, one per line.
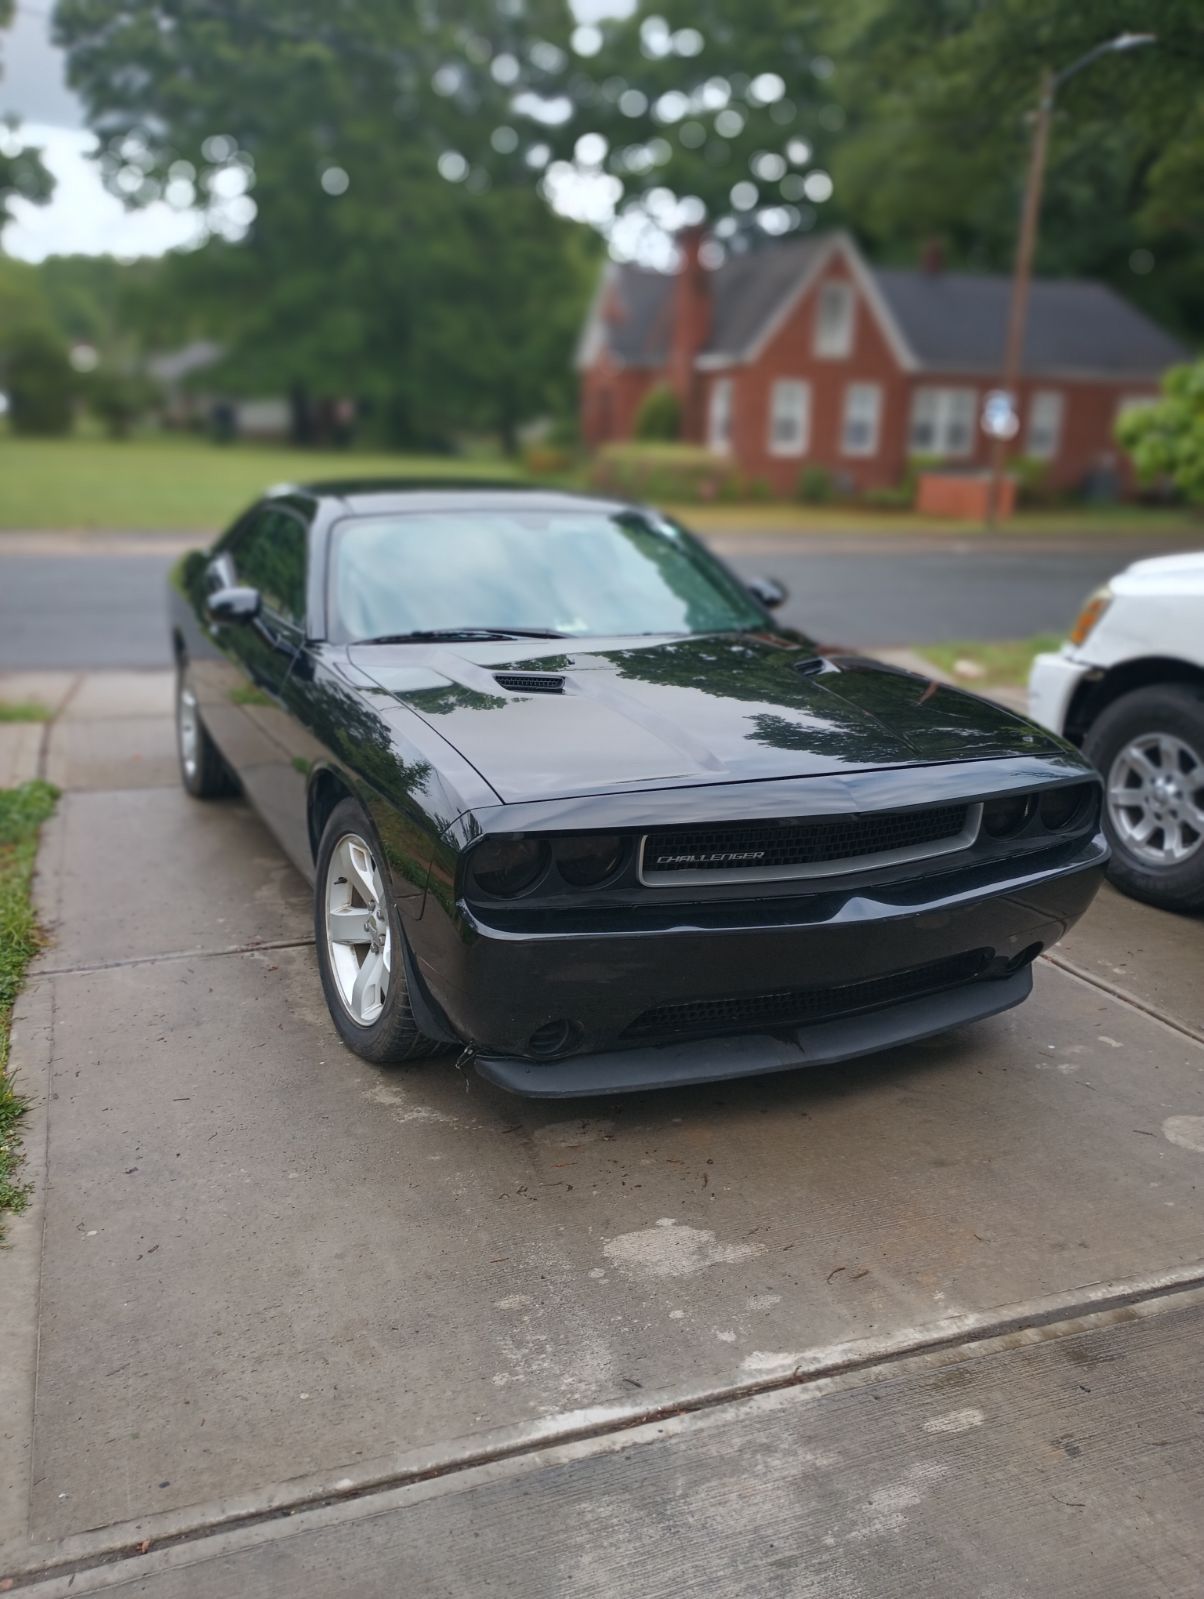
{"x":944,"y":403}
{"x":1043,"y":434}
{"x":719,"y":416}
{"x":789,"y":417}
{"x":857,"y":395}
{"x":835,"y":317}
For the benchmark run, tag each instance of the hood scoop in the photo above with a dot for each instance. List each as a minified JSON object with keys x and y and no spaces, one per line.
{"x":530,"y":682}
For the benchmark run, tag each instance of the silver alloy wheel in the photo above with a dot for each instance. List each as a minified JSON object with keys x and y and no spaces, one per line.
{"x":189,"y":729}
{"x":1156,"y":799}
{"x":359,"y":942}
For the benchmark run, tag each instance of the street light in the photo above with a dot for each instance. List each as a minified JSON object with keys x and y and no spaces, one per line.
{"x":1051,"y":82}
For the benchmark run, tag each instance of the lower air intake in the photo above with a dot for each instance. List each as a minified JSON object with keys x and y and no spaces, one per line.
{"x":793,"y":1007}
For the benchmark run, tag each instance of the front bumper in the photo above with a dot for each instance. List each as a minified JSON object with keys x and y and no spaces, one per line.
{"x":753,"y":1054}
{"x":1052,"y":682}
{"x":500,"y":987}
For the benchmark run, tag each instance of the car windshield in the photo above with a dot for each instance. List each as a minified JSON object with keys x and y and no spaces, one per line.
{"x":576,"y":572}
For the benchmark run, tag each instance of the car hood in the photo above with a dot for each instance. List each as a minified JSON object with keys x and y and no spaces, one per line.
{"x":1177,"y":576}
{"x":699,"y":710}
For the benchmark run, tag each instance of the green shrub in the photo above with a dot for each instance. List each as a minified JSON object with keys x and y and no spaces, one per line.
{"x":897,"y":499}
{"x":1166,"y":439}
{"x":684,"y":473}
{"x":1032,"y":480}
{"x":40,"y":382}
{"x":119,"y":399}
{"x":658,"y":420}
{"x":815,"y":485}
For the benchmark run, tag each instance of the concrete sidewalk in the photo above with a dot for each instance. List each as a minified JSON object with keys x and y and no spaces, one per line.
{"x":260,"y":1274}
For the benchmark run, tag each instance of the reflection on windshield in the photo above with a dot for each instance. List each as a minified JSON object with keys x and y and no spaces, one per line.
{"x":579,"y":572}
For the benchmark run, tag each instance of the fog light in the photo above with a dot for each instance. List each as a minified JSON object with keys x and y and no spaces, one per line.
{"x":505,"y":866}
{"x":586,"y":862}
{"x":1002,"y":818}
{"x":553,"y":1038}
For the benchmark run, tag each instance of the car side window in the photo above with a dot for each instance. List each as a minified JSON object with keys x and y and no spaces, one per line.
{"x":269,"y":555}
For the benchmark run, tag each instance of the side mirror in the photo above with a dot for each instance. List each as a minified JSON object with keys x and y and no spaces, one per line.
{"x":768,"y":590}
{"x":233,"y":605}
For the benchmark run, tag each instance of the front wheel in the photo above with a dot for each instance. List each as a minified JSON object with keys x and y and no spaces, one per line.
{"x":359,"y":941}
{"x":1149,"y":746}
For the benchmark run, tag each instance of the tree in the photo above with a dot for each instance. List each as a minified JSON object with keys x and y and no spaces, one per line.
{"x":39,"y":380}
{"x":23,"y":174}
{"x":370,"y":240}
{"x":940,"y":95}
{"x":1166,"y":440}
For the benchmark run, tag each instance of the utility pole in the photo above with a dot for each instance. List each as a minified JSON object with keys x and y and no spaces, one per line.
{"x":1022,"y":275}
{"x":1026,"y":244}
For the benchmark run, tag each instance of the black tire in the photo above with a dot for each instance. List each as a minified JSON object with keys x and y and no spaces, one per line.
{"x":393,"y":1037}
{"x":202,"y":771}
{"x":1178,"y":710}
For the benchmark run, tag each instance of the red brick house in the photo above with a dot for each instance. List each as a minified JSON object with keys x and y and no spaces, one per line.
{"x":803,"y":352}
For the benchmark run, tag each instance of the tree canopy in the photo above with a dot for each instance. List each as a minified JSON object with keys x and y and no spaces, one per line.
{"x":382,"y":183}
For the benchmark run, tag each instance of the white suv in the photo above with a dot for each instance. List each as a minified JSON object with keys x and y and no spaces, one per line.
{"x":1128,"y":687}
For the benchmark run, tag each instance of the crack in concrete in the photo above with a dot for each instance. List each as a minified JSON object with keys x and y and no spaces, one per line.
{"x":1124,"y":996}
{"x":977,"y":1335}
{"x":171,"y":955}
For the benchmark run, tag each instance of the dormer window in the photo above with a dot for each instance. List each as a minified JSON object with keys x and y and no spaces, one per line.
{"x":834,"y":320}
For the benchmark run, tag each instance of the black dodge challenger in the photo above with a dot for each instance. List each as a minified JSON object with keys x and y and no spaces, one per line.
{"x":572,"y":801}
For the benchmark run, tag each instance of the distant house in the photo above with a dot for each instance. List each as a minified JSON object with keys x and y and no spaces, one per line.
{"x":188,"y":398}
{"x":802,"y":352}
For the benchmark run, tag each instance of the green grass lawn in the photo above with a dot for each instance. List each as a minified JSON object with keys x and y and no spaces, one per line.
{"x":169,"y":483}
{"x":1002,"y":662}
{"x":176,"y":483}
{"x":22,"y":812}
{"x":22,"y":711}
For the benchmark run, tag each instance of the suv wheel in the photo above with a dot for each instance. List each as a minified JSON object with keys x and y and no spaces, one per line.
{"x":1149,"y":746}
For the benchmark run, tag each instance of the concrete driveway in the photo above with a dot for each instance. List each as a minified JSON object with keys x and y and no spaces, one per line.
{"x":283,"y":1322}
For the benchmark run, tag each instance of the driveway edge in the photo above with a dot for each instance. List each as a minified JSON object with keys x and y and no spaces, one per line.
{"x":21,"y":1260}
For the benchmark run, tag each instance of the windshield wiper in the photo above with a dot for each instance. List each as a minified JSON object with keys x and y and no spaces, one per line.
{"x":432,"y":635}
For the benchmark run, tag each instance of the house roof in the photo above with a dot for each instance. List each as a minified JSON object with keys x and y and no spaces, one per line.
{"x":938,"y":321}
{"x":958,"y":320}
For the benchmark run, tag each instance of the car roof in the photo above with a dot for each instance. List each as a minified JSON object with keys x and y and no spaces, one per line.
{"x":364,"y":496}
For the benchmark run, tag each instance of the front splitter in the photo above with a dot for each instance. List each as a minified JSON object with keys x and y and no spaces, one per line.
{"x":713,"y":1060}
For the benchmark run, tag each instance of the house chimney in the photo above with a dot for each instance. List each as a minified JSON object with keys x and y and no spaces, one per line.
{"x":932,"y":257}
{"x":690,"y":330}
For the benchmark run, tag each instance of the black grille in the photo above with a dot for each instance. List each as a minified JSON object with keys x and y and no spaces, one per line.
{"x":529,"y":682}
{"x":792,"y":1007}
{"x":745,"y":845}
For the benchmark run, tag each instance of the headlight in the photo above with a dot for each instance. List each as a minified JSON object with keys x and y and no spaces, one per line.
{"x":585,"y":862}
{"x":1003,"y":817}
{"x":1090,"y":614}
{"x":506,"y":866}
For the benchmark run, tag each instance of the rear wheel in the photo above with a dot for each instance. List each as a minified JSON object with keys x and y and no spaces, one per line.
{"x":202,"y":771}
{"x":359,"y":942}
{"x":1149,"y":746}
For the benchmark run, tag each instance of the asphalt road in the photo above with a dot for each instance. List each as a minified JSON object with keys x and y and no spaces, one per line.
{"x":77,"y":610}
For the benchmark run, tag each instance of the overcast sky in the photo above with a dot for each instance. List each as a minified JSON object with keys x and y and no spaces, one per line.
{"x":83,"y":216}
